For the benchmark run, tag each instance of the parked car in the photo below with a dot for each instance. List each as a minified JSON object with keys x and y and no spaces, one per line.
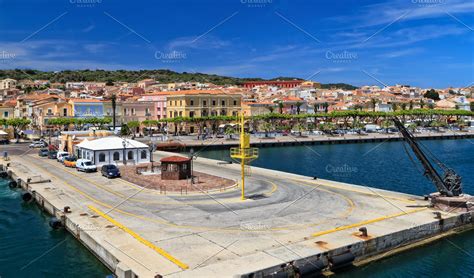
{"x":43,"y":152}
{"x":38,"y":144}
{"x":110,"y":171}
{"x":61,"y":155}
{"x":85,"y":165}
{"x":52,"y":154}
{"x":70,"y":161}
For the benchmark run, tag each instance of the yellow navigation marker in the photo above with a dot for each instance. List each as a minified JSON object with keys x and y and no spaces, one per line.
{"x":139,"y":238}
{"x":244,"y":152}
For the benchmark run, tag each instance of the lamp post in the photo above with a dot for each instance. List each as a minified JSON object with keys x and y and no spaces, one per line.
{"x":191,"y":152}
{"x":152,"y":149}
{"x":124,"y":144}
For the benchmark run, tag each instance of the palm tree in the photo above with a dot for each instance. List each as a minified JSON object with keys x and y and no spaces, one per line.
{"x":316,"y":106}
{"x":326,"y":106}
{"x":374,"y":103}
{"x":394,"y":106}
{"x":270,"y":108}
{"x":298,"y":107}
{"x":280,"y":107}
{"x":411,"y":105}
{"x":422,"y":103}
{"x":404,"y":106}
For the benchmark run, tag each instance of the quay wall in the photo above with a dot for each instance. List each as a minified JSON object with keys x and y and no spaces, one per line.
{"x":369,"y":249}
{"x":80,"y":232}
{"x":311,"y":140}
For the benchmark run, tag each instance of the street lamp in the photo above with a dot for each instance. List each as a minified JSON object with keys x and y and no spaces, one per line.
{"x":124,"y":144}
{"x":191,"y":153}
{"x":152,"y":149}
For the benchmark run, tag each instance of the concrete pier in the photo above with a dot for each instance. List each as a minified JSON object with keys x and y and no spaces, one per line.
{"x":187,"y":142}
{"x":318,"y":224}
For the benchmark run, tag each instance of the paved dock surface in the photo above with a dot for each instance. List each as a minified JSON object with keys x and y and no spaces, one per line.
{"x":285,"y":217}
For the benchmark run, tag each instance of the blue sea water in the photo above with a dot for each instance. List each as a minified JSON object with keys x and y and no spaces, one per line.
{"x":385,"y":165}
{"x":30,"y":248}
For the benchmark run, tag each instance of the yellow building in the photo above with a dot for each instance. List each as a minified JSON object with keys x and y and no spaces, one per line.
{"x":202,"y":103}
{"x":50,"y":107}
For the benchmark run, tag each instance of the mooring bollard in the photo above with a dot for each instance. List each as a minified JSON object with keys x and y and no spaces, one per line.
{"x":363,"y":230}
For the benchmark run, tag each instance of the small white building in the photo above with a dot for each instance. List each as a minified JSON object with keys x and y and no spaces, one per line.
{"x":113,"y":150}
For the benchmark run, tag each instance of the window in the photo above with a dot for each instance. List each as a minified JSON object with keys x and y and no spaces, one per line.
{"x":213,"y":103}
{"x":5,"y":114}
{"x":50,"y":111}
{"x":143,"y":154}
{"x":65,"y":112}
{"x":223,"y":103}
{"x":192,"y":102}
{"x":102,"y":157}
{"x":130,"y":155}
{"x":191,"y":114}
{"x":204,"y":103}
{"x":116,"y":156}
{"x":235,"y":102}
{"x":180,"y":103}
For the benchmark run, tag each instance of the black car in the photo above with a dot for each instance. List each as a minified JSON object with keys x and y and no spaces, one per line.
{"x":52,"y":154}
{"x":110,"y":171}
{"x":43,"y":152}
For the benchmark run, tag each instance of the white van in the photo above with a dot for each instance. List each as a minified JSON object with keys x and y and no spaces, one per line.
{"x":61,"y":155}
{"x":85,"y":165}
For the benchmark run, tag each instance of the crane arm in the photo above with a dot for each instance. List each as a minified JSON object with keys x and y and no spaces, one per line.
{"x":430,"y":171}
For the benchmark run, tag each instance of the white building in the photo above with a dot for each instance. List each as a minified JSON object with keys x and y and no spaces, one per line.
{"x":7,"y":84}
{"x":112,"y":150}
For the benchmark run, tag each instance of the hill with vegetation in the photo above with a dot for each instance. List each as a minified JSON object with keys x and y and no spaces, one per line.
{"x":162,"y":76}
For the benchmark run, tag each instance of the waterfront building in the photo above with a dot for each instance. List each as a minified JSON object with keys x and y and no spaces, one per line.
{"x":201,"y":103}
{"x":87,"y":108}
{"x":49,"y":107}
{"x":113,"y":150}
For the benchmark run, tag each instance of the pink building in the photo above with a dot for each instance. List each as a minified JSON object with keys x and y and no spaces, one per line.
{"x":159,"y":103}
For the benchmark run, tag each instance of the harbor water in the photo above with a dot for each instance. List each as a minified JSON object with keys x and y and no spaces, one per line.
{"x":385,"y":165}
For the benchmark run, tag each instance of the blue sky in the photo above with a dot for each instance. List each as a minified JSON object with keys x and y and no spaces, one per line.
{"x":426,"y":43}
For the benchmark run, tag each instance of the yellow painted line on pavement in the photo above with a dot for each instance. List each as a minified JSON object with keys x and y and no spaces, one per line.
{"x":366,"y":222}
{"x":140,"y":239}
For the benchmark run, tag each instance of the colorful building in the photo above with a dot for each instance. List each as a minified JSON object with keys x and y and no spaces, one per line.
{"x":87,"y":108}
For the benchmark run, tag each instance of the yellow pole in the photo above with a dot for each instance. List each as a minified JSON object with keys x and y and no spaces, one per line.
{"x":242,"y":153}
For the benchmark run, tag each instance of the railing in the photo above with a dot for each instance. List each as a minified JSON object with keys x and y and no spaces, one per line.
{"x":247,"y":153}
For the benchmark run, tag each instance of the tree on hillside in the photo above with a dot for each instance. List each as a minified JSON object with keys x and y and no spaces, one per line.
{"x":432,"y":94}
